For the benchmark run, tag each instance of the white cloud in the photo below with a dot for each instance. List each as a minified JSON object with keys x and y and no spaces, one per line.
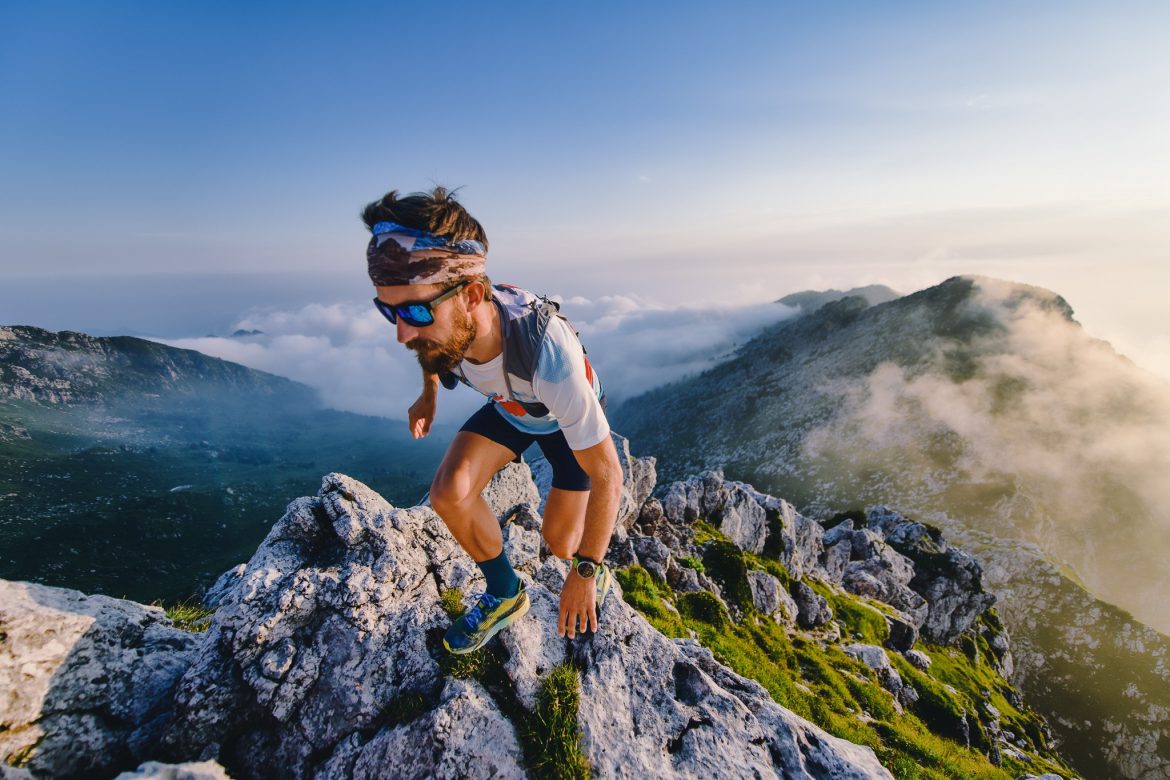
{"x":350,"y":355}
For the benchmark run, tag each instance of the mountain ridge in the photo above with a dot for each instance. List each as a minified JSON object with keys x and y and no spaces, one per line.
{"x":981,"y":404}
{"x":322,"y":656}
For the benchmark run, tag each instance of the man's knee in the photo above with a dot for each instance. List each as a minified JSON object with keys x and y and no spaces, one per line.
{"x":561,"y":545}
{"x":451,"y":491}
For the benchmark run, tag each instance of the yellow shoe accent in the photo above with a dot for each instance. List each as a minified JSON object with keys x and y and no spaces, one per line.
{"x":476,"y":626}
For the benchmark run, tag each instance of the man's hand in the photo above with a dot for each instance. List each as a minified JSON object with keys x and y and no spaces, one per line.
{"x":422,"y":414}
{"x":578,"y":605}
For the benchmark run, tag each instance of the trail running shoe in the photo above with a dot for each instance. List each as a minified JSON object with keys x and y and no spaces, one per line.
{"x":476,"y":626}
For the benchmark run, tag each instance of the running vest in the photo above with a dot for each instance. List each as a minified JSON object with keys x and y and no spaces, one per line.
{"x":524,"y":318}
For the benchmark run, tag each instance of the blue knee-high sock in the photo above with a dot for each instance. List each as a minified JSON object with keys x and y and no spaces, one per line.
{"x":502,"y":581}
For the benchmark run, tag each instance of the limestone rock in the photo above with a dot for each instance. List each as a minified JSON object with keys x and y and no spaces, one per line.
{"x":653,"y":555}
{"x":86,"y":679}
{"x":222,"y":586}
{"x":947,"y":578}
{"x":835,"y":558}
{"x":875,"y":658}
{"x":843,"y":530}
{"x":812,"y":608}
{"x":465,"y":736}
{"x":200,"y":770}
{"x":770,"y":597}
{"x":919,"y":659}
{"x":336,"y":619}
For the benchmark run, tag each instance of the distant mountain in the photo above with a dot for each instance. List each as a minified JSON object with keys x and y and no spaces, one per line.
{"x":809,"y":301}
{"x":134,"y":468}
{"x":979,"y":403}
{"x":71,"y":368}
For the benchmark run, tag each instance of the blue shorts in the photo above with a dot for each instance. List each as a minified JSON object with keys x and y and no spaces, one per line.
{"x":567,"y":472}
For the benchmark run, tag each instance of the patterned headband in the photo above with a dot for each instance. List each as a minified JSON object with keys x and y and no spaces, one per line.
{"x":400,"y":255}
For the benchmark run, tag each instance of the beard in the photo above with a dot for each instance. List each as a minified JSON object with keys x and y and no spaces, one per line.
{"x":436,"y":358}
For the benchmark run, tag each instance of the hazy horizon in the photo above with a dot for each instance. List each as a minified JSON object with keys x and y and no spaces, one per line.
{"x":170,"y":170}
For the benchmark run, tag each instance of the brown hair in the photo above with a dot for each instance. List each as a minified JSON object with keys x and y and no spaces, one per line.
{"x":437,"y":212}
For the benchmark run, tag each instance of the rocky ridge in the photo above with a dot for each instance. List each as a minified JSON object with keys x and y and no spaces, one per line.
{"x":322,"y":658}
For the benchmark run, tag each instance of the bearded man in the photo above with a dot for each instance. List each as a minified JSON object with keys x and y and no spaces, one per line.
{"x":427,"y":260}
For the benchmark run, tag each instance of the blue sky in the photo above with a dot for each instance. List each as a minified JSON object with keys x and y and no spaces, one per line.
{"x":677,"y":151}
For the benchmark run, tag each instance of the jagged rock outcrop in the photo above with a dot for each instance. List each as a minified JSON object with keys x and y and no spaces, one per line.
{"x":911,"y":567}
{"x":85,"y":680}
{"x":337,"y":617}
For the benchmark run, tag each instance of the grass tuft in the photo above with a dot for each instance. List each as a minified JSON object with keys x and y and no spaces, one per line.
{"x":554,"y":737}
{"x":188,"y":615}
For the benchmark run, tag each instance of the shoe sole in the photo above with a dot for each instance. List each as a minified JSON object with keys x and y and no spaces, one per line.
{"x":507,"y":620}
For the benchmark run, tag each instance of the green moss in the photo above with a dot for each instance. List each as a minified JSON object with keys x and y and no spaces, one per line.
{"x":725,"y":564}
{"x":691,"y":563}
{"x":856,"y":515}
{"x":819,"y":682}
{"x":863,"y":622}
{"x":451,"y":600}
{"x":772,"y":566}
{"x":549,"y":734}
{"x":943,"y":712}
{"x":188,"y":615}
{"x":705,"y":532}
{"x":641,"y":592}
{"x":464,"y":666}
{"x":703,"y":606}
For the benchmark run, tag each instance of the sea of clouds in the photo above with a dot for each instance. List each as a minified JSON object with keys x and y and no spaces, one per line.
{"x":349,"y":353}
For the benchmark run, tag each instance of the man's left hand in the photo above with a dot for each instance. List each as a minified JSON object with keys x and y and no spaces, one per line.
{"x":578,"y":605}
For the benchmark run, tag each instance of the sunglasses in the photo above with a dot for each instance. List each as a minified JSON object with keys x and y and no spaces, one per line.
{"x":417,"y":314}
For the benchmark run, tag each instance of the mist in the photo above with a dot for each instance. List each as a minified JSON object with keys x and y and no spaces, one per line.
{"x":348,"y":352}
{"x":1055,"y":438}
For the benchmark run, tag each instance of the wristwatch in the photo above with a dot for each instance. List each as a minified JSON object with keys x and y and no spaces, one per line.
{"x":585,"y":567}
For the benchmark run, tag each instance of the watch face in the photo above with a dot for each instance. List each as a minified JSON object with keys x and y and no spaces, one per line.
{"x":586,"y":569}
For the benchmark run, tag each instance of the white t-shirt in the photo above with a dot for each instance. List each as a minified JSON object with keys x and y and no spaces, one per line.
{"x":564,"y":382}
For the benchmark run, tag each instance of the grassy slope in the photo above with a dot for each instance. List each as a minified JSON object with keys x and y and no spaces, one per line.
{"x":816,"y":680}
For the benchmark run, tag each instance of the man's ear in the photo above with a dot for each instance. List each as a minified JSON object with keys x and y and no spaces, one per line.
{"x":475,"y":294}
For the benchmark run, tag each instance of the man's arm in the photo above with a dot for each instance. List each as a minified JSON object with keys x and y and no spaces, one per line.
{"x":422,"y":411}
{"x":601,"y":463}
{"x":579,"y":596}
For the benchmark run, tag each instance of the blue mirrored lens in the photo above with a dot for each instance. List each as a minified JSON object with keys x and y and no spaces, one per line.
{"x":416,"y":314}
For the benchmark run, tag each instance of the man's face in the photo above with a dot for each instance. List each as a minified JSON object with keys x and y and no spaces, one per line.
{"x":441,"y":345}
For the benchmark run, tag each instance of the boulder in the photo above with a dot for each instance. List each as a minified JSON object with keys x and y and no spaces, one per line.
{"x":654,"y":556}
{"x":770,"y":597}
{"x":918,"y":659}
{"x":835,"y":558}
{"x":812,"y":608}
{"x":875,"y":658}
{"x":86,"y":680}
{"x":843,"y":530}
{"x":947,"y":578}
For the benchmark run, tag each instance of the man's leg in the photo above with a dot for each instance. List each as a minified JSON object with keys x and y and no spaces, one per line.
{"x":470,"y":463}
{"x":564,"y":520}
